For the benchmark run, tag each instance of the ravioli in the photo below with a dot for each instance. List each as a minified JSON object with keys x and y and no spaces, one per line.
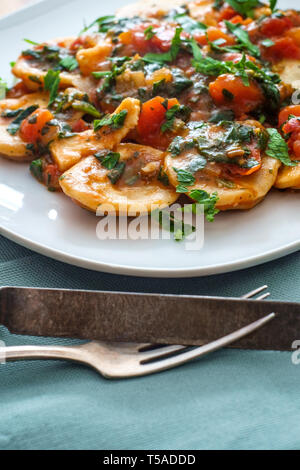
{"x":12,"y":146}
{"x":32,"y":74}
{"x":288,"y":177}
{"x":68,"y":152}
{"x":137,"y":189}
{"x":165,"y":98}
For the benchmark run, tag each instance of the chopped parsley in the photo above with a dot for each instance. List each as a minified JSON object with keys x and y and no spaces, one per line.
{"x":177,"y":111}
{"x":51,"y":84}
{"x":208,"y":201}
{"x":185,"y":178}
{"x":243,"y":38}
{"x":169,"y":56}
{"x":149,"y":33}
{"x":108,"y":159}
{"x":114,"y":121}
{"x":86,"y":108}
{"x":244,"y":7}
{"x":278,"y":148}
{"x":64,"y":129}
{"x":15,"y":125}
{"x":69,"y":63}
{"x":115,"y":174}
{"x":104,"y":24}
{"x":163,"y":177}
{"x":36,"y":169}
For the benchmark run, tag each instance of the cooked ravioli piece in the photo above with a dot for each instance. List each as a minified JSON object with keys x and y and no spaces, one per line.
{"x":288,"y":177}
{"x":68,"y":152}
{"x":223,"y":159}
{"x":95,"y":51}
{"x":127,"y":180}
{"x":33,"y":70}
{"x":12,"y":146}
{"x":242,"y":192}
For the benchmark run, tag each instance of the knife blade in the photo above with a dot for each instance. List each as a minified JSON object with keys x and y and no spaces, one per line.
{"x":146,"y":318}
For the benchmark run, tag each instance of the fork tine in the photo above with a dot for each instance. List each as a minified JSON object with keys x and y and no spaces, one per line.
{"x":161,"y":352}
{"x":254,"y":292}
{"x":204,"y":350}
{"x":264,"y":296}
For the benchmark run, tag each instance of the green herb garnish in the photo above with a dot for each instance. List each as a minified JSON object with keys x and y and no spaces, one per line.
{"x":86,"y":108}
{"x":36,"y":168}
{"x":115,"y":174}
{"x":169,"y":56}
{"x":51,"y":84}
{"x":15,"y":125}
{"x":114,"y":121}
{"x":243,"y":38}
{"x":69,"y":63}
{"x":208,"y":201}
{"x":108,"y":159}
{"x":278,"y":148}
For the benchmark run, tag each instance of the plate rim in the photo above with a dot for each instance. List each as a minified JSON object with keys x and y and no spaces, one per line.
{"x":112,"y":268}
{"x":40,"y":6}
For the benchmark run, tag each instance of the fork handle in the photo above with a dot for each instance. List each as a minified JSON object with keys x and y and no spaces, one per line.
{"x":21,"y":353}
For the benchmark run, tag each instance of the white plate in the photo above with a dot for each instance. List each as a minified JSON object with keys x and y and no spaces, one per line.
{"x":51,"y":224}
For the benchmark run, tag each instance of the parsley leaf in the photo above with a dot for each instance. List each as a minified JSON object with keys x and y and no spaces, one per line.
{"x":273,"y":4}
{"x":115,"y":174}
{"x":29,"y":41}
{"x":15,"y":125}
{"x":51,"y":84}
{"x":36,"y":169}
{"x":163,"y":177}
{"x":188,"y":24}
{"x":169,"y":56}
{"x":176,"y":111}
{"x":278,"y":148}
{"x":114,"y":121}
{"x":86,"y":108}
{"x":104,"y":24}
{"x":69,"y":63}
{"x":108,"y":159}
{"x":149,"y":33}
{"x":243,"y":38}
{"x":185,"y":178}
{"x":209,"y":202}
{"x":244,"y":7}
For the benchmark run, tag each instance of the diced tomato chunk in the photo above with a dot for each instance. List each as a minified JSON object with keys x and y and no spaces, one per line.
{"x":229,"y":90}
{"x":240,"y":171}
{"x":212,"y":34}
{"x":31,"y":128}
{"x":159,"y":42}
{"x":80,"y":126}
{"x":292,"y":125}
{"x":293,"y":110}
{"x":283,"y":48}
{"x":51,"y":175}
{"x":275,"y":26}
{"x":151,"y":119}
{"x":227,"y":13}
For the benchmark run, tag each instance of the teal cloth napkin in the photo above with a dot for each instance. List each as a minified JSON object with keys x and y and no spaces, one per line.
{"x":229,"y":400}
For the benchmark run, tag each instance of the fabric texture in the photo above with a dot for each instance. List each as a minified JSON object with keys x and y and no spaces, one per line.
{"x":229,"y":400}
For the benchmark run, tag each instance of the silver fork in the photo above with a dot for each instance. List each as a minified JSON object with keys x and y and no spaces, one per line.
{"x":120,"y":360}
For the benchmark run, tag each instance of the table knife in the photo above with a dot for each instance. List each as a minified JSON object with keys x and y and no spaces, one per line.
{"x":147,"y":318}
